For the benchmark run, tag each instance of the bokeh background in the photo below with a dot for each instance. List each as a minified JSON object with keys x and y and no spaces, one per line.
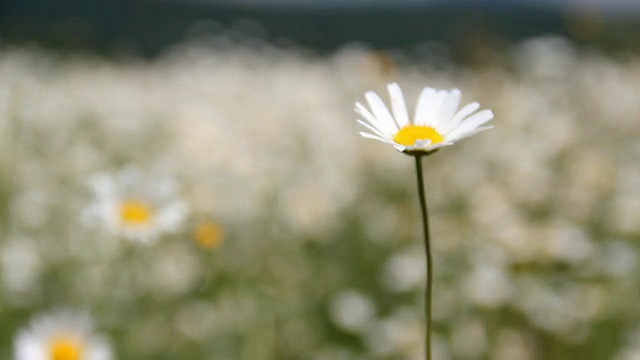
{"x":293,"y":238}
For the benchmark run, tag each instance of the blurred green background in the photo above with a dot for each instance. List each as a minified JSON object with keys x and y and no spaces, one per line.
{"x":271,"y":229}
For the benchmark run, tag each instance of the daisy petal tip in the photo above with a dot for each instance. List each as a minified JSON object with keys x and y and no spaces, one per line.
{"x":393,"y":86}
{"x":369,"y":94}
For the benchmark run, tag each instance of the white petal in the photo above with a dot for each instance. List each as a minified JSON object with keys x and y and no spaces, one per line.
{"x":461,"y":136}
{"x":362,"y":110}
{"x":398,"y":105}
{"x":460,"y":115}
{"x":99,"y":349}
{"x":172,"y":216}
{"x":374,"y":137}
{"x":433,"y":108}
{"x":440,"y":145}
{"x":103,"y":185}
{"x":422,"y":107}
{"x":380,"y":110}
{"x":386,"y":129}
{"x":449,"y":107}
{"x":473,"y":121}
{"x":374,"y":130}
{"x":472,"y":132}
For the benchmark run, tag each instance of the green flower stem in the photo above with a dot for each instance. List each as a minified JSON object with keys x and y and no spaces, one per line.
{"x":427,"y":247}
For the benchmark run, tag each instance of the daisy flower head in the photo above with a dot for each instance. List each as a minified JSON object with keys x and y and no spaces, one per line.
{"x":61,"y":336}
{"x":437,"y":122}
{"x":133,"y":206}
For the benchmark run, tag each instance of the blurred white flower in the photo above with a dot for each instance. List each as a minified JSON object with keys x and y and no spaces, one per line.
{"x":618,"y":259}
{"x":20,"y":267}
{"x":128,"y":204}
{"x":404,"y":272}
{"x":512,"y":345}
{"x":351,"y":311}
{"x":567,"y":242}
{"x":631,"y":348}
{"x":402,"y":333}
{"x":61,"y":336}
{"x":488,"y":285}
{"x":437,"y":120}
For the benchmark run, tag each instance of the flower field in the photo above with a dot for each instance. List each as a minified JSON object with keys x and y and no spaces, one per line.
{"x":218,"y":203}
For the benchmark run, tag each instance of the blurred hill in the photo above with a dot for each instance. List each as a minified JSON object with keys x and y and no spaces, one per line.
{"x":148,"y":27}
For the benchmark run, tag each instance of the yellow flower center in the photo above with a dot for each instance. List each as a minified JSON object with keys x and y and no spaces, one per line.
{"x":208,"y":235}
{"x":65,"y":348}
{"x":409,"y":134}
{"x":135,"y":212}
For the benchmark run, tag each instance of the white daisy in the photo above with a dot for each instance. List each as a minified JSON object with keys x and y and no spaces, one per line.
{"x":128,"y":204}
{"x":437,"y":122}
{"x":61,"y":336}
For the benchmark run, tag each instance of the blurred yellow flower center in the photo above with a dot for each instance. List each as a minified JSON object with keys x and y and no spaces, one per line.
{"x":135,"y":212}
{"x":409,"y":134}
{"x":65,"y":348}
{"x":208,"y":235}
